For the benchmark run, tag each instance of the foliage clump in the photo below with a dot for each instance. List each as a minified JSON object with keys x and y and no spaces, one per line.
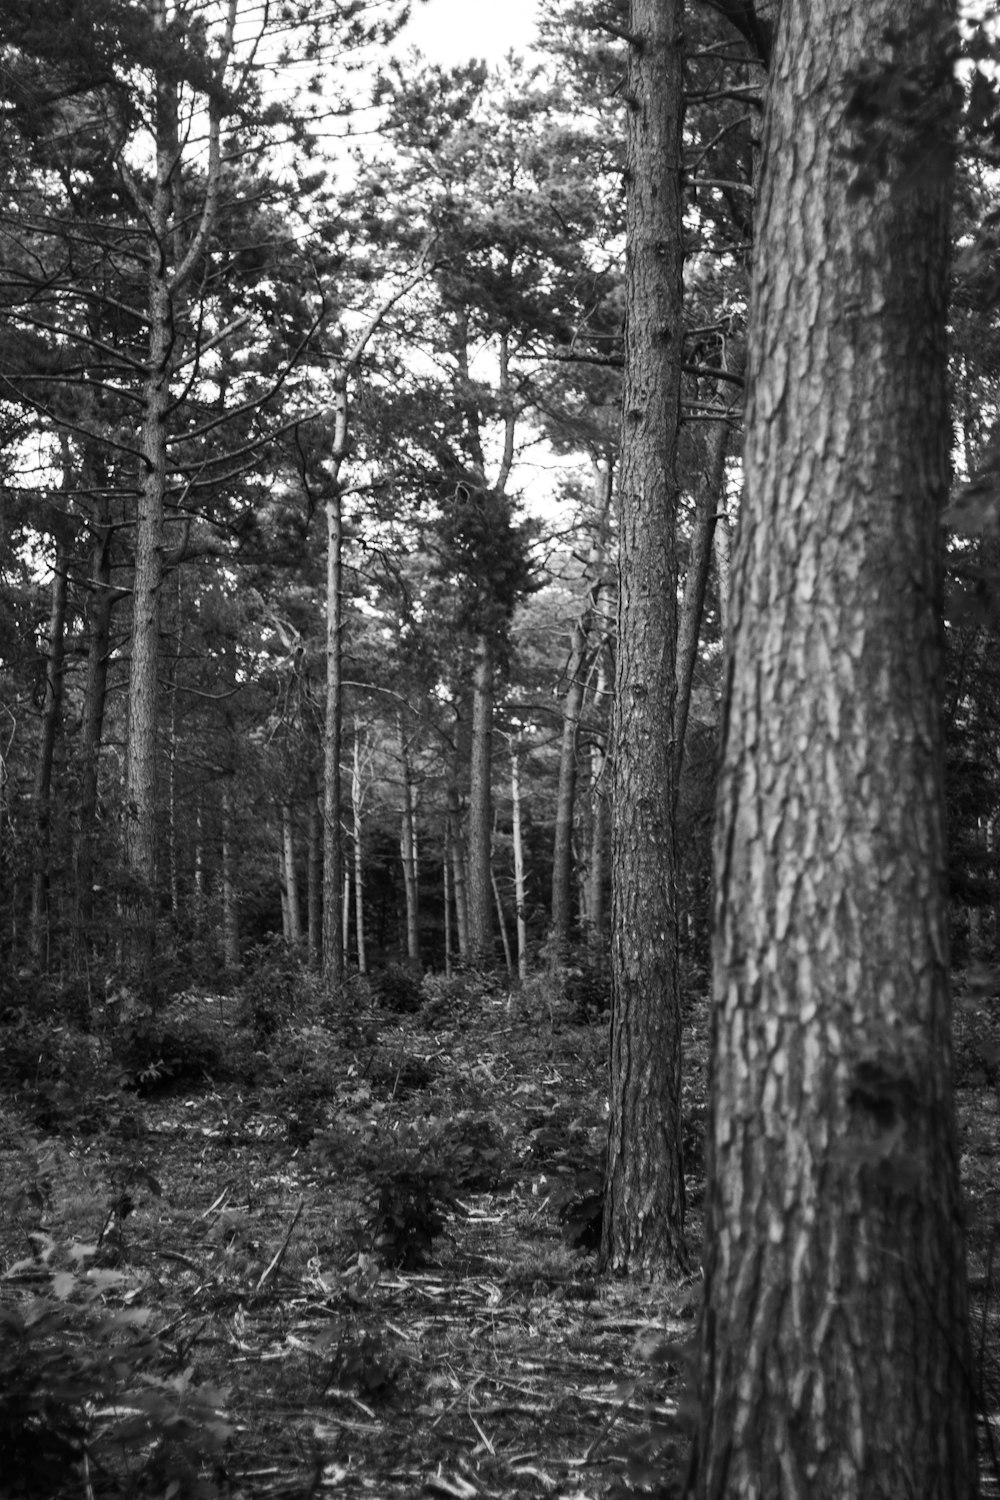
{"x":82,"y":1397}
{"x":398,"y":989}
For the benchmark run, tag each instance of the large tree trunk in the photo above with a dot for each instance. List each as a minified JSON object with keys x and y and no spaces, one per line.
{"x":480,"y":892}
{"x":576,"y":672}
{"x":834,"y":1340}
{"x":644,"y":1198}
{"x":170,"y":262}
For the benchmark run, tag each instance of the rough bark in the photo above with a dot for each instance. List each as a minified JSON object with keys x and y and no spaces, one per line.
{"x":357,"y":803}
{"x":314,"y":896}
{"x":333,"y":951}
{"x":230,"y":890}
{"x":290,"y":878}
{"x":170,"y":262}
{"x":643,"y":1228}
{"x":834,"y":1333}
{"x":459,"y":865}
{"x":520,"y":890}
{"x":480,"y":894}
{"x":407,"y":850}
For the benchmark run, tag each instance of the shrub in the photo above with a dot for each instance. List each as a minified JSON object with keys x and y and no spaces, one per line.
{"x":157,"y":1055}
{"x":78,"y":1387}
{"x":278,"y":990}
{"x":398,"y":989}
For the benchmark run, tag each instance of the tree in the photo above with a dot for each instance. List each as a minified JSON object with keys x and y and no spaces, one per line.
{"x":833,"y":1344}
{"x":644,"y":1195}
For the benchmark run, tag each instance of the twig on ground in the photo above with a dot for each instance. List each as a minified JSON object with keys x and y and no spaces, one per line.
{"x":268,"y":1275}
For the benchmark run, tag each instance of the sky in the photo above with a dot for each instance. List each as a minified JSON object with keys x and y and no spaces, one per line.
{"x":452,"y":31}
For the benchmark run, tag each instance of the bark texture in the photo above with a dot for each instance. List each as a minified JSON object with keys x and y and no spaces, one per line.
{"x":480,"y":885}
{"x":834,"y":1334}
{"x":644,"y":1198}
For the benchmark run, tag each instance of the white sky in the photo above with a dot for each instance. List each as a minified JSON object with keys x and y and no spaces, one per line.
{"x":452,"y":31}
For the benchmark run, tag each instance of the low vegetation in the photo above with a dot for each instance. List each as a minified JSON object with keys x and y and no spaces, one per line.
{"x":351,"y":1248}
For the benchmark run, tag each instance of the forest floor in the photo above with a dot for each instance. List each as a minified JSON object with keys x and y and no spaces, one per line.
{"x":367,"y":1272}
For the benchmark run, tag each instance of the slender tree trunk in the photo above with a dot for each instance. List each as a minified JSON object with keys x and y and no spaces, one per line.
{"x":333,"y":952}
{"x":576,"y":670}
{"x":722,"y":546}
{"x":481,"y":807}
{"x":359,"y":886}
{"x":51,"y":719}
{"x":834,"y":1338}
{"x":198,"y":903}
{"x":598,"y":817}
{"x":446,"y":878}
{"x":230,"y":893}
{"x":407,"y":847}
{"x":314,"y":895}
{"x":345,"y":917}
{"x":459,"y":867}
{"x":520,"y":894}
{"x":508,"y":955}
{"x":291,"y":880}
{"x":644,"y":1197}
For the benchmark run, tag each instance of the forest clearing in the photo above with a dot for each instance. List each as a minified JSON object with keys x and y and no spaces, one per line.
{"x":499,"y":774}
{"x":358,"y":1270}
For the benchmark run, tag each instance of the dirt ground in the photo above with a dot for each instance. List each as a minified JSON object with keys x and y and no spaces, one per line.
{"x":366,"y":1274}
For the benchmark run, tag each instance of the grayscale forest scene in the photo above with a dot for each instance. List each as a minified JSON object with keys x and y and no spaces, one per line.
{"x":499,"y":749}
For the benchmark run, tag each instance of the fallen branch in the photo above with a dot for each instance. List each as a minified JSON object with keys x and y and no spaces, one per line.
{"x":267,"y":1276}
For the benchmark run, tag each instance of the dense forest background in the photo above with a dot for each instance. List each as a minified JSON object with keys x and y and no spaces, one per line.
{"x":412,"y":677}
{"x":311,"y":389}
{"x":379,"y":316}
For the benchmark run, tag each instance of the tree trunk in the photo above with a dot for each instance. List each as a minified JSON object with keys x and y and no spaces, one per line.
{"x":230,"y":893}
{"x":519,"y":882}
{"x":508,"y":955}
{"x":333,"y":952}
{"x":458,"y":866}
{"x":407,"y":849}
{"x":291,"y":881}
{"x":598,"y":818}
{"x":644,"y":1198}
{"x":51,"y":716}
{"x":359,"y":887}
{"x":169,"y":266}
{"x":446,"y":881}
{"x":834,"y":1338}
{"x":562,"y":854}
{"x":314,"y":893}
{"x":481,"y":808}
